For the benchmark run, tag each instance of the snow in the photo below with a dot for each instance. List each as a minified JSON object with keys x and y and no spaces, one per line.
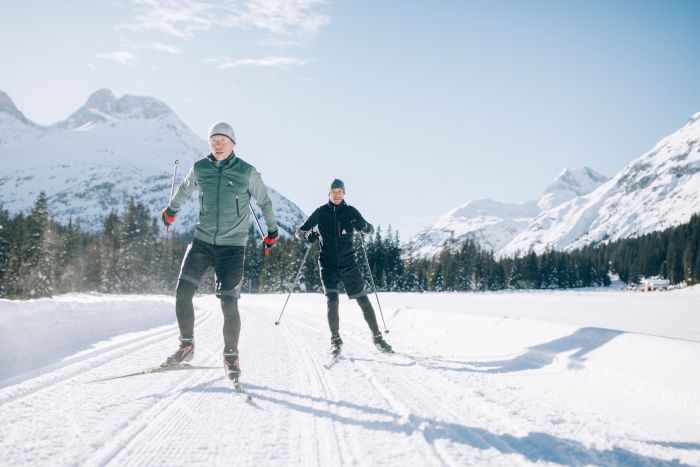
{"x":603,"y":377}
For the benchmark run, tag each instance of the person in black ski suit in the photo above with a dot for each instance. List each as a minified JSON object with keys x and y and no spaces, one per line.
{"x":337,"y":222}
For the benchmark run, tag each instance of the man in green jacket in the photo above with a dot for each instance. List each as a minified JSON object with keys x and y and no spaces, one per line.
{"x":225,"y":184}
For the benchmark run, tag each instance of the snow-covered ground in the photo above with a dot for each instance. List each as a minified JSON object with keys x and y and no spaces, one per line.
{"x":571,"y":377}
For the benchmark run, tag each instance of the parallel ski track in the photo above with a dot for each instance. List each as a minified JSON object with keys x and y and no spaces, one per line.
{"x":433,"y":455}
{"x":480,"y":407}
{"x":185,"y":405}
{"x":324,"y":386}
{"x":124,"y":435}
{"x":89,"y":362}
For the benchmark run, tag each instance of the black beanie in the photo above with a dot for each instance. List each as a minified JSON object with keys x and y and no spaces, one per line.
{"x":337,"y":183}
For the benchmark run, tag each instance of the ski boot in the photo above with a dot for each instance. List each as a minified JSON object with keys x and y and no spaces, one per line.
{"x":183,"y":354}
{"x":232,"y":366}
{"x":336,"y":346}
{"x":381,"y":344}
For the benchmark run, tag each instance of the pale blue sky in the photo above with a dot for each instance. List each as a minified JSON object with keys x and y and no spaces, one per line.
{"x":418,"y":106}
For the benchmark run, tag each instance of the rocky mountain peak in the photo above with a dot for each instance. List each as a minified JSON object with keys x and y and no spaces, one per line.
{"x":102,"y":106}
{"x":8,"y":107}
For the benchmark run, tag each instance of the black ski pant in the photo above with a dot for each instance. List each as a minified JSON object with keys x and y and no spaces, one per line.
{"x":334,"y":319}
{"x":228,"y":266}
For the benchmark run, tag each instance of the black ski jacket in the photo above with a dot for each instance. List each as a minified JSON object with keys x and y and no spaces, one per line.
{"x":336,"y":224}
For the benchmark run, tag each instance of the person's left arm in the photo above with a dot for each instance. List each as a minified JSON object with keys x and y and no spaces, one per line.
{"x":360,"y":224}
{"x":258,"y":191}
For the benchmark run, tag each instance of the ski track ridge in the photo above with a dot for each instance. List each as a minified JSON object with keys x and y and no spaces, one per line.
{"x":87,"y":362}
{"x":411,"y":422}
{"x":347,"y":453}
{"x":123,"y":436}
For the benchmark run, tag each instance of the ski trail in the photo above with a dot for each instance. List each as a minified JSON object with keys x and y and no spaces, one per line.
{"x":73,"y":407}
{"x":369,"y":409}
{"x":322,"y":392}
{"x":457,"y":416}
{"x":91,"y":361}
{"x":202,"y":409}
{"x":407,"y":435}
{"x":155,"y":415}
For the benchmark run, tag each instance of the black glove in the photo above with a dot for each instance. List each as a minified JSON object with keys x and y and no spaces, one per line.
{"x":363,"y":226}
{"x":308,"y":235}
{"x":313,"y":236}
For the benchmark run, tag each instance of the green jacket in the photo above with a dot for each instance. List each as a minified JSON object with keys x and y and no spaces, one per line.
{"x":224,"y":194}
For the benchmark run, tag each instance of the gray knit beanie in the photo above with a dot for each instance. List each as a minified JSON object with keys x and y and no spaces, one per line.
{"x":337,"y":183}
{"x":223,"y":129}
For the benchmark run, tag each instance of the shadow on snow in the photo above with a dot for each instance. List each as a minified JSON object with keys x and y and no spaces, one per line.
{"x":585,"y":340}
{"x":535,"y":446}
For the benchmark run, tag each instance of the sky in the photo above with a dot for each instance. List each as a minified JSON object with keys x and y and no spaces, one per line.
{"x":418,"y":106}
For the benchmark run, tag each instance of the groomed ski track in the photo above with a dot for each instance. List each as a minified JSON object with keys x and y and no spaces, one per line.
{"x":368,"y":409}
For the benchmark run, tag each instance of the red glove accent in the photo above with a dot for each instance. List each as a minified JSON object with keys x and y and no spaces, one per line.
{"x":269,"y":241}
{"x":167,"y":219}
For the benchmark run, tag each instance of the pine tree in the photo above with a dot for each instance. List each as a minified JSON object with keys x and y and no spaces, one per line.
{"x":38,"y":278}
{"x":110,"y":253}
{"x":437,"y":279}
{"x":251,"y":267}
{"x":4,"y":251}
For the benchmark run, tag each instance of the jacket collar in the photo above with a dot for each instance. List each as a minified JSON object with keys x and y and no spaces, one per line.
{"x":229,"y":160}
{"x":338,"y":207}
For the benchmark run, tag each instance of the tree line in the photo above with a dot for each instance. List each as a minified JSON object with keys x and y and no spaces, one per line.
{"x":40,"y":257}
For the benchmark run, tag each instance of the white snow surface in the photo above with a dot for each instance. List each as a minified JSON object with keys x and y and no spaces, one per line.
{"x":593,"y":377}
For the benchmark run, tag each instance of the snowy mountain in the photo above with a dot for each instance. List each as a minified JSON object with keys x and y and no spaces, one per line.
{"x":108,"y":151}
{"x":570,"y":184}
{"x":494,"y":224}
{"x":661,"y":189}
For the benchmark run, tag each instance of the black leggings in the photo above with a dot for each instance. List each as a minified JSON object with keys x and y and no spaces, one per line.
{"x":185,"y":315}
{"x":334,"y":318}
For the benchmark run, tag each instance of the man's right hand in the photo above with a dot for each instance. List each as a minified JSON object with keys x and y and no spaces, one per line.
{"x":313,"y":236}
{"x":167,"y":216}
{"x":308,"y":235}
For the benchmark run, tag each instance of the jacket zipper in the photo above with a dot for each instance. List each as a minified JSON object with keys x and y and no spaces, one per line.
{"x":337,"y":239}
{"x":238,"y":212}
{"x":218,"y":194}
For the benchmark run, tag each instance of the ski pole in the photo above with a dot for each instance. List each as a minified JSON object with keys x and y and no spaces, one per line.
{"x":362,"y":242}
{"x":267,"y":249}
{"x":172,"y":189}
{"x":291,"y":286}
